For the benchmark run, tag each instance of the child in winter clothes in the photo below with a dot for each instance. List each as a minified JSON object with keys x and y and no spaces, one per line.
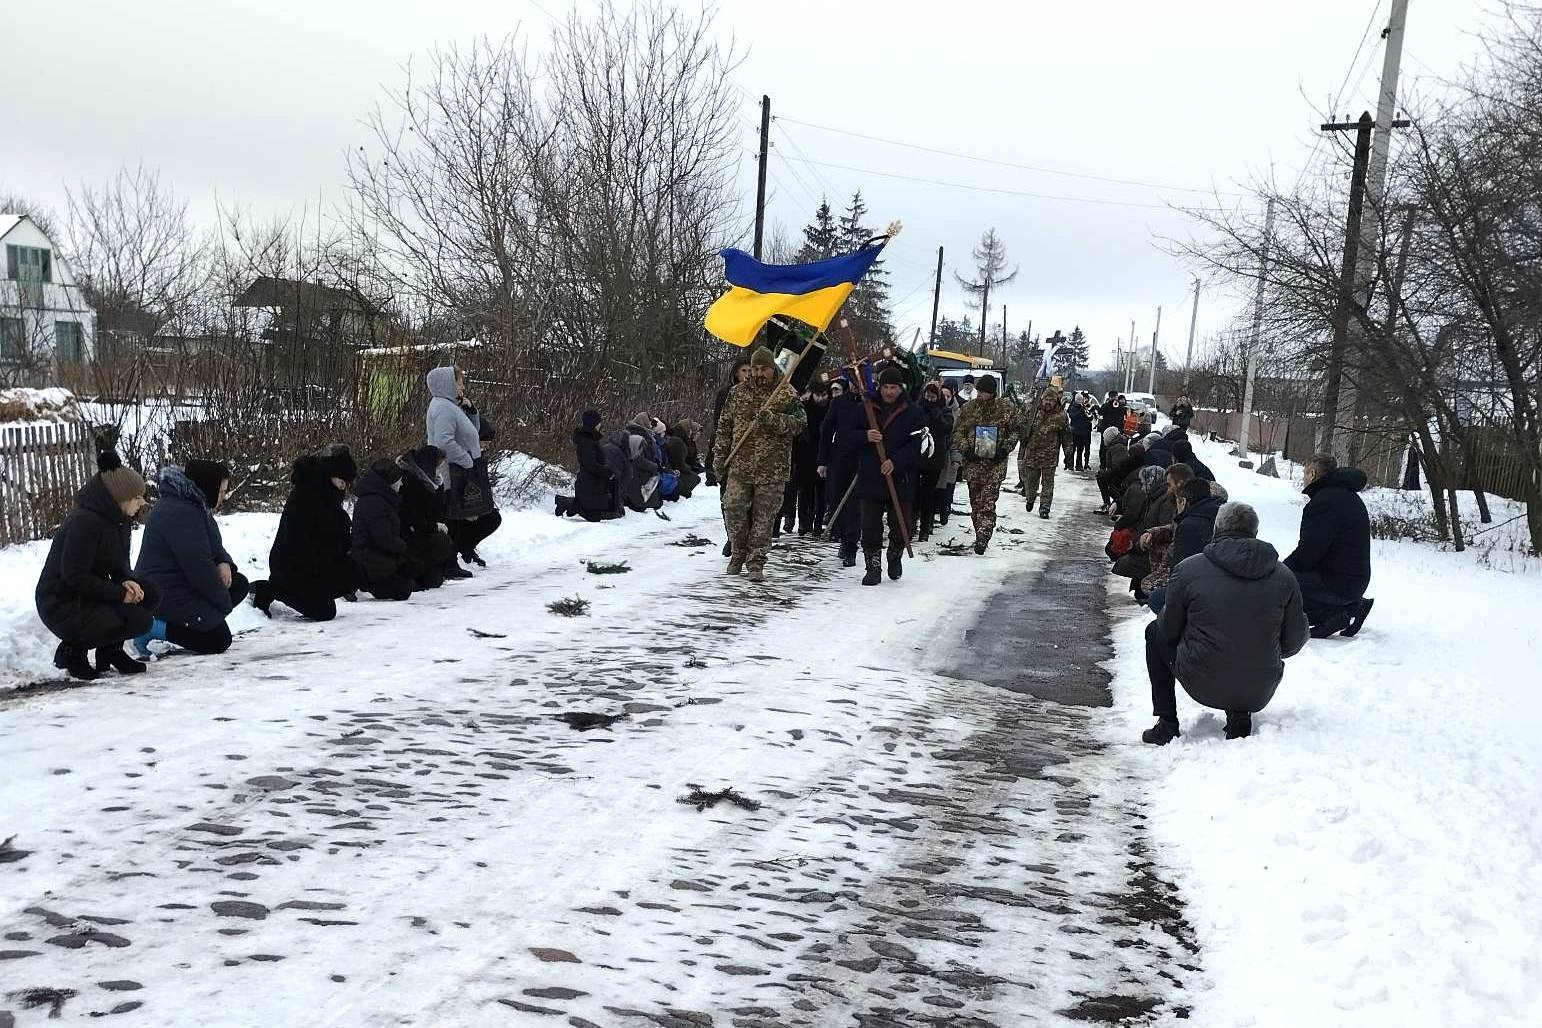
{"x":378,"y":547}
{"x":309,"y":566}
{"x":184,"y":556}
{"x":86,"y":594}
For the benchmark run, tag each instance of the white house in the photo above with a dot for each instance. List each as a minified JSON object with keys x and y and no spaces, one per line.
{"x":45,"y":321}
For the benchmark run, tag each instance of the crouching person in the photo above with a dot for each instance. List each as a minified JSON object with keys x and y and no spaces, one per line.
{"x":86,"y":594}
{"x":597,"y":487}
{"x":378,"y":547}
{"x":184,"y":557}
{"x":430,"y":550}
{"x":309,"y":567}
{"x":1233,"y":615}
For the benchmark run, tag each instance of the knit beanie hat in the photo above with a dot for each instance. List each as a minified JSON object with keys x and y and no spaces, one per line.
{"x":985,"y":384}
{"x":589,"y":420}
{"x":762,"y":358}
{"x":208,"y":476}
{"x":1111,"y":435}
{"x":336,"y":461}
{"x":387,"y":470}
{"x":122,"y":483}
{"x":891,"y":376}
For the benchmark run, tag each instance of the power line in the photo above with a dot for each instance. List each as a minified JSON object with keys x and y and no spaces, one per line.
{"x":990,"y":189}
{"x":1000,"y":163}
{"x":1339,"y":99}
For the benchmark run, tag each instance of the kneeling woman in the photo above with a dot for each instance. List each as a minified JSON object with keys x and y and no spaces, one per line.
{"x":86,"y":594}
{"x":184,"y":557}
{"x":309,"y":566}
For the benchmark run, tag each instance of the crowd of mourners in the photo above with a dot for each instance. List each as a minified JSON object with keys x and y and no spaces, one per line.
{"x":859,"y":451}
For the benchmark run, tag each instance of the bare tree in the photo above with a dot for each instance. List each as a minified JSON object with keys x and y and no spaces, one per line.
{"x":990,"y":258}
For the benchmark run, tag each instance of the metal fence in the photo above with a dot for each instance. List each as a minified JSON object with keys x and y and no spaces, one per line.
{"x":42,"y":467}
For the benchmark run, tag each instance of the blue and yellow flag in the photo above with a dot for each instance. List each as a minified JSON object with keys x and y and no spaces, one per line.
{"x":758,"y":292}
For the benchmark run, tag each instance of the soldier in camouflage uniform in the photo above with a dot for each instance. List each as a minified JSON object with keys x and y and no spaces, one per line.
{"x":984,"y":472}
{"x":1046,"y":434}
{"x":766,"y":416}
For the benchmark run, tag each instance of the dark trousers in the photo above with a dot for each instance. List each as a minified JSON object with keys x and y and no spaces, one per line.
{"x":1081,"y":448}
{"x":88,"y":624}
{"x":847,"y":528}
{"x":1321,"y":602}
{"x":927,"y":498}
{"x":212,"y":639}
{"x":1161,"y":655}
{"x":313,"y":599}
{"x":811,"y":502}
{"x":873,"y":514}
{"x":393,"y":587}
{"x":428,"y":558}
{"x":468,"y":535}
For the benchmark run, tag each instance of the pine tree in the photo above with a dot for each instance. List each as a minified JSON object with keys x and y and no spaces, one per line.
{"x":867,"y":311}
{"x":990,"y":259}
{"x":820,"y":236}
{"x":1073,"y":356}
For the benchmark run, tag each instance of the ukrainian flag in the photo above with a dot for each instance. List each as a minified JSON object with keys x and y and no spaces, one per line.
{"x":757,"y":292}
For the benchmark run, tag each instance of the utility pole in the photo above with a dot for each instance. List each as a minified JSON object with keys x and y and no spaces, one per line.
{"x":1333,"y":438}
{"x":1129,"y":368}
{"x":936,"y":300}
{"x":1258,"y":331}
{"x":760,"y":188}
{"x":1151,"y":382}
{"x":1003,"y":336}
{"x":1188,"y":360}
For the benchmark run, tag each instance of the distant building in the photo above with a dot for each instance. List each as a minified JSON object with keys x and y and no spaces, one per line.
{"x":45,"y":321}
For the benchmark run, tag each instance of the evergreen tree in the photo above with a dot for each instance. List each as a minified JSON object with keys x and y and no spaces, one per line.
{"x":1025,"y":358}
{"x":1073,"y":356}
{"x":867,"y":311}
{"x":820,"y":237}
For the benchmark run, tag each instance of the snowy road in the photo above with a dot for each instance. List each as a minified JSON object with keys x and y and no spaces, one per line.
{"x":382,"y":821}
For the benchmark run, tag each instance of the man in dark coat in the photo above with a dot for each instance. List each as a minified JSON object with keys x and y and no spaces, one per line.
{"x":1332,"y":561}
{"x":841,"y":438}
{"x":899,"y":430}
{"x":1233,"y":615}
{"x":1081,"y":413}
{"x":86,"y":594}
{"x":808,"y":486}
{"x":1194,"y":525}
{"x":1110,"y":415}
{"x":309,"y":566}
{"x":184,"y":556}
{"x":1183,"y":451}
{"x":1182,"y":412}
{"x":596,"y":494}
{"x":939,"y":421}
{"x":378,"y":547}
{"x":430,"y":548}
{"x":680,"y":449}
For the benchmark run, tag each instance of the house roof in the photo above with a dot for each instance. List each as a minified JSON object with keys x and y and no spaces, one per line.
{"x":266,"y":291}
{"x":8,"y":222}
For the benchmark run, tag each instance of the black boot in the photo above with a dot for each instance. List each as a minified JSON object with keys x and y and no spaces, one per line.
{"x":1357,"y":619}
{"x":1239,"y":724}
{"x":1334,"y":625}
{"x":896,"y":564}
{"x":262,"y":596}
{"x":113,"y":657}
{"x":72,"y":659}
{"x":874,"y":570}
{"x":1161,"y":733}
{"x":848,"y":555}
{"x":728,"y":548}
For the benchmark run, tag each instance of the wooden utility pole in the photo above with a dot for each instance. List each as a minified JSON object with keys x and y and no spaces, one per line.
{"x":1151,"y":381}
{"x":1334,"y":436}
{"x":1258,"y":331}
{"x":760,"y":188}
{"x":936,"y":300}
{"x":1188,"y":360}
{"x":1003,"y":336}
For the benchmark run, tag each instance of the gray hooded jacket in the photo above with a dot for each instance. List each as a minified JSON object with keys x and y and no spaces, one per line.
{"x":449,"y":427}
{"x":1234,"y":612}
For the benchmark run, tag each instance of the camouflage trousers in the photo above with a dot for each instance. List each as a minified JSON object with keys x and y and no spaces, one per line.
{"x":750,"y":511}
{"x":1040,"y":482}
{"x":984,"y":479}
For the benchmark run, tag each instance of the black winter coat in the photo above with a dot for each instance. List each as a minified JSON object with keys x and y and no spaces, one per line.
{"x":805,"y":447}
{"x":901,"y":426}
{"x":88,"y":559}
{"x":1182,"y":414}
{"x":1234,"y":612}
{"x":378,"y":546}
{"x":1111,"y":415}
{"x":1194,"y":529}
{"x":939,"y":418}
{"x":678,"y":454}
{"x":1081,"y":421}
{"x":594,"y":486}
{"x":1336,"y":534}
{"x":422,"y":502}
{"x":310,"y":550}
{"x":181,"y":553}
{"x":842,"y":434}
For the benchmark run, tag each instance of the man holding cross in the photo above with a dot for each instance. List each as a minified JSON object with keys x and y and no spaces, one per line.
{"x":760,"y":419}
{"x":900,"y":427}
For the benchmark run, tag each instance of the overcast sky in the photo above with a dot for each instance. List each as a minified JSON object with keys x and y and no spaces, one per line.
{"x":257,"y":102}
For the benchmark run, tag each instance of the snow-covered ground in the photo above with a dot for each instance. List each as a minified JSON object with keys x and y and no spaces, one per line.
{"x":1373,"y":855}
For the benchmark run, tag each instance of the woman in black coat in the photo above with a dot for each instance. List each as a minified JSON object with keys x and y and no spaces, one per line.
{"x":430,"y":549}
{"x":378,"y":547}
{"x":596,"y":495}
{"x":939,"y":419}
{"x":309,"y":566}
{"x":184,"y":556}
{"x":87,"y":595}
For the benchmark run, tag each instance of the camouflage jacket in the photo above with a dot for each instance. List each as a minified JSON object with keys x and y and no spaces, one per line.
{"x":1044,"y":436}
{"x":987,"y":412}
{"x":765,"y":458}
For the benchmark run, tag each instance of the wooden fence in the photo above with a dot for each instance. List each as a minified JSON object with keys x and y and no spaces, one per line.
{"x":42,"y":467}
